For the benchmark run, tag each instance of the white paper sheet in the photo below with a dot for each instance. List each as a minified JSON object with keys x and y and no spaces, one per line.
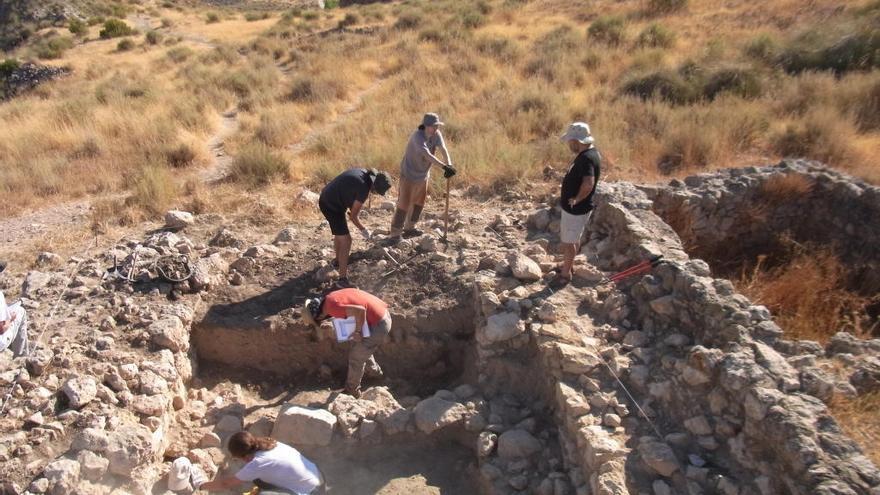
{"x":345,"y":327}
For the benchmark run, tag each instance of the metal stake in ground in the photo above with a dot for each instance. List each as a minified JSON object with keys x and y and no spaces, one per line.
{"x":446,"y":213}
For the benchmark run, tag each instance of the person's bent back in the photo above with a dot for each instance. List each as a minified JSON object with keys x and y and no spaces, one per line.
{"x":273,"y":466}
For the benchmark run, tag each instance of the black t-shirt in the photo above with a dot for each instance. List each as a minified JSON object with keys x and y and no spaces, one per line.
{"x":348,"y":187}
{"x":586,"y":164}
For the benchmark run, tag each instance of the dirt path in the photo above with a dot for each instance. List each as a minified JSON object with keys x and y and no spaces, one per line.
{"x":220,"y":160}
{"x":355,"y":103}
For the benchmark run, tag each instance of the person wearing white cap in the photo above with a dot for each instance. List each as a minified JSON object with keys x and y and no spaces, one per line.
{"x":184,"y":476}
{"x":275,"y":467}
{"x":13,"y":325}
{"x":576,"y":198}
{"x":415,"y":169}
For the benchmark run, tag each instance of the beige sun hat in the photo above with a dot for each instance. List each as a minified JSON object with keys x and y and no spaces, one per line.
{"x":578,"y":131}
{"x":178,"y":477}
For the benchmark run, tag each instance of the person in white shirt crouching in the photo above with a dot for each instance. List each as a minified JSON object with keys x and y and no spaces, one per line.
{"x":276,"y":468}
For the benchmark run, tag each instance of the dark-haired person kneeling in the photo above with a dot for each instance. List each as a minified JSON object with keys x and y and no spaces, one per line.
{"x":276,"y":468}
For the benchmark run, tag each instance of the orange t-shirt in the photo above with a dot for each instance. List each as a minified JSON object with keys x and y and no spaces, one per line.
{"x":376,"y":308}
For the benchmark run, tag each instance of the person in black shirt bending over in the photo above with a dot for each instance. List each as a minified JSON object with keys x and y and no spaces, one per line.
{"x":576,"y":199}
{"x":349,"y":191}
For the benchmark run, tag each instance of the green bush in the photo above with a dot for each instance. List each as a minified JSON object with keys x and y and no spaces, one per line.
{"x":762,"y":47}
{"x":311,"y":15}
{"x":212,"y":18}
{"x":125,"y":45}
{"x":8,"y":66}
{"x":255,"y":16}
{"x":256,"y":164}
{"x":499,"y":48}
{"x":153,"y":37}
{"x":77,"y":27}
{"x":472,"y":19}
{"x":666,"y":6}
{"x":350,"y":19}
{"x":741,"y":82}
{"x":54,"y":47}
{"x":408,"y":20}
{"x":656,"y":36}
{"x":608,"y":30}
{"x":859,"y":51}
{"x":331,"y":4}
{"x":665,"y":85}
{"x":433,"y":35}
{"x":94,"y":21}
{"x":114,"y":28}
{"x":167,"y":23}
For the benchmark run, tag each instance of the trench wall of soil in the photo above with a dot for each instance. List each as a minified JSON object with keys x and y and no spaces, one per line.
{"x":428,"y":346}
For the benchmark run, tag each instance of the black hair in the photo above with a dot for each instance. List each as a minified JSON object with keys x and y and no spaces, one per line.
{"x":421,"y":127}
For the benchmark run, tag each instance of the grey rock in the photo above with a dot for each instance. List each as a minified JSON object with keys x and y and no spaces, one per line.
{"x":516,"y":443}
{"x":79,"y":391}
{"x":299,"y":425}
{"x":434,"y":413}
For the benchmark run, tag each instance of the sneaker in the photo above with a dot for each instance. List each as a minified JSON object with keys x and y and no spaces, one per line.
{"x":413,"y":232}
{"x":391,"y":240}
{"x":343,"y":283}
{"x":356,"y":393}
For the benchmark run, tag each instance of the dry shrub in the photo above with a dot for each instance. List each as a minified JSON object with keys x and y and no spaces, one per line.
{"x":807,"y":295}
{"x":858,"y":418}
{"x":784,"y":188}
{"x":256,"y":165}
{"x":154,"y":190}
{"x":180,"y":156}
{"x":822,"y":134}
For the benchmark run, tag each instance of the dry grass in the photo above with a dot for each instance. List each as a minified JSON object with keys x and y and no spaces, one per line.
{"x":807,"y":295}
{"x":859,"y":420}
{"x":506,"y":76}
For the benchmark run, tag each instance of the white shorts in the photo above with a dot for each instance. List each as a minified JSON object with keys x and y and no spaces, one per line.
{"x":571,"y":228}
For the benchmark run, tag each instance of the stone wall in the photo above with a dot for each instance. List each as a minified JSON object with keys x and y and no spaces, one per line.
{"x":707,"y":369}
{"x":729,"y":214}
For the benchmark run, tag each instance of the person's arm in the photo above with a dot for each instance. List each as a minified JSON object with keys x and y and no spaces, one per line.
{"x":360,"y":316}
{"x":431,"y":158}
{"x":444,"y":149}
{"x":221,"y":484}
{"x":353,"y":214}
{"x":584,"y":191}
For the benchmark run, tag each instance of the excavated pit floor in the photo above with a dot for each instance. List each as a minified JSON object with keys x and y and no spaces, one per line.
{"x":251,"y":343}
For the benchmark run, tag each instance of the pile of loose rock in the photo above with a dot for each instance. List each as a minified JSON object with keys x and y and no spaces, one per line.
{"x":669,"y":382}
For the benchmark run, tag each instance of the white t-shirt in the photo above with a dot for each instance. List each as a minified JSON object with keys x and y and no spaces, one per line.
{"x":4,"y":312}
{"x":283,"y":467}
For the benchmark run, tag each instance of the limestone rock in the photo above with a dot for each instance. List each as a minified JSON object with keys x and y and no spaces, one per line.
{"x":434,"y":413}
{"x":130,"y":446}
{"x":176,"y":219}
{"x":79,"y":391}
{"x":227,"y":238}
{"x":169,"y":333}
{"x":500,"y":327}
{"x":524,"y":268}
{"x":263,"y":251}
{"x":63,"y":475}
{"x":92,"y":465}
{"x":486,"y":443}
{"x":658,"y":456}
{"x":516,"y":443}
{"x":286,"y":235}
{"x":302,"y":426}
{"x":34,"y":281}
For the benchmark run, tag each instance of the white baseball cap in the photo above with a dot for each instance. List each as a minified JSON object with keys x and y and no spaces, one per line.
{"x":178,"y":477}
{"x":578,"y":131}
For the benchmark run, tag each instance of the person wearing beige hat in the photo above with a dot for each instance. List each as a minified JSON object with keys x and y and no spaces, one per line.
{"x":576,"y":195}
{"x":415,"y":169}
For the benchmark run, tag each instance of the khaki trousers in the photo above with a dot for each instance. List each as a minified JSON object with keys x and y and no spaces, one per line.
{"x":410,"y":201}
{"x":361,"y":354}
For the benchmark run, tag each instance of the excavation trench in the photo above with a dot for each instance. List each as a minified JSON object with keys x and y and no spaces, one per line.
{"x":252,"y":340}
{"x":782,"y":230}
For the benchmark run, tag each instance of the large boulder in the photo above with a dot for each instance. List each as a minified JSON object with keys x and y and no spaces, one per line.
{"x":176,"y":219}
{"x":34,"y":281}
{"x":63,"y":476}
{"x":130,"y":445}
{"x":516,"y":443}
{"x":169,"y":332}
{"x":500,"y":327}
{"x":434,"y":413}
{"x":302,"y":426}
{"x":658,"y":456}
{"x":79,"y":391}
{"x":524,"y":268}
